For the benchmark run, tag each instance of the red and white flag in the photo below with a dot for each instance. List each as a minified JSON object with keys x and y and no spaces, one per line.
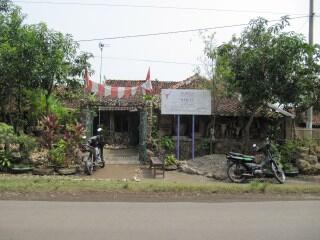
{"x":88,"y":80}
{"x":147,"y":86}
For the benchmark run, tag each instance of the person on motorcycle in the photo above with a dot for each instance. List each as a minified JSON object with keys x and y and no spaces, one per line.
{"x":99,"y":145}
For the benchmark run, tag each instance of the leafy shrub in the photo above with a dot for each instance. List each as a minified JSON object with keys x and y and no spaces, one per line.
{"x":147,"y":97}
{"x":205,"y":145}
{"x":73,"y":134}
{"x":154,"y":130}
{"x":35,"y":104}
{"x":170,"y":160}
{"x":57,"y":153}
{"x":167,"y":143}
{"x":50,"y":126}
{"x":36,"y":107}
{"x":289,"y":152}
{"x":5,"y":160}
{"x":73,"y":137}
{"x":63,"y":114}
{"x":7,"y":135}
{"x":291,"y":149}
{"x":26,"y":145}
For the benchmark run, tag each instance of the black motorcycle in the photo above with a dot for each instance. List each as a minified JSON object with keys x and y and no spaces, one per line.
{"x":94,"y":146}
{"x":241,"y":167}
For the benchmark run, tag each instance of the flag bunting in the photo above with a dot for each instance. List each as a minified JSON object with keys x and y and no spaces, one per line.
{"x":103,"y":90}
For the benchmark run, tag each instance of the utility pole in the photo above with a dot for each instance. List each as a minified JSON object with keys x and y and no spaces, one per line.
{"x":101,"y":46}
{"x":311,"y":16}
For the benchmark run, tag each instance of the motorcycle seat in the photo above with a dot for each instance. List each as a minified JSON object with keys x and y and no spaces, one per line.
{"x":240,"y":156}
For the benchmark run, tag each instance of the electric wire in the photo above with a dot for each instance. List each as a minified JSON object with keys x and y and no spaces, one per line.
{"x":151,"y":6}
{"x":176,"y":32}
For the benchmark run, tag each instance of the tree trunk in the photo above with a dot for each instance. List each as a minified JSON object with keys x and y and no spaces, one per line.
{"x":211,"y":133}
{"x":246,"y":135}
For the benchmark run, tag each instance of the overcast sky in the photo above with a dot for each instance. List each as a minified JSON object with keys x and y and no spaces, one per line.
{"x":171,"y":57}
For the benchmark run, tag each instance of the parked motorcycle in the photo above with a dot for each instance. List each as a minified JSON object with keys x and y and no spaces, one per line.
{"x":241,"y":167}
{"x":94,"y":146}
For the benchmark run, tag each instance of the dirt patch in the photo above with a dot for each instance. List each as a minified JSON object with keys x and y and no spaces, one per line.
{"x":213,"y":166}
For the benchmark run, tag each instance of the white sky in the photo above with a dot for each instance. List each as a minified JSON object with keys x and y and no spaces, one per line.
{"x":87,"y":22}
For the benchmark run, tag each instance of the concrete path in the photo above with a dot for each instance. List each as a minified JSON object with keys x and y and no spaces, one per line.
{"x":121,"y":156}
{"x":225,"y":221}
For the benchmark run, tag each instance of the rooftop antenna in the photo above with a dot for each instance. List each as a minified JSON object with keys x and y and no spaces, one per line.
{"x":101,"y":46}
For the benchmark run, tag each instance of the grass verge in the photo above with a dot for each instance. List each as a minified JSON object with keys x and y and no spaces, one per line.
{"x":57,"y":184}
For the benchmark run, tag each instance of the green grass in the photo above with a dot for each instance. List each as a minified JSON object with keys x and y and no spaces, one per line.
{"x":54,"y":184}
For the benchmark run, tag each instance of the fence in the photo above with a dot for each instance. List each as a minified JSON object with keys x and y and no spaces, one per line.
{"x":304,"y":133}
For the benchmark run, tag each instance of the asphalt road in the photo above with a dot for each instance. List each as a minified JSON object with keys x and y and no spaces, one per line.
{"x":294,"y":220}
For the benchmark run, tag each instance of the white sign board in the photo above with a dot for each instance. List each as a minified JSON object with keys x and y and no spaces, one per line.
{"x":185,"y":102}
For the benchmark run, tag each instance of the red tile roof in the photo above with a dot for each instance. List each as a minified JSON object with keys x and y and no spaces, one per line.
{"x":227,"y":106}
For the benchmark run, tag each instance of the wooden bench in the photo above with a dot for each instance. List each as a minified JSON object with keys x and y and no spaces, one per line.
{"x":157,"y":165}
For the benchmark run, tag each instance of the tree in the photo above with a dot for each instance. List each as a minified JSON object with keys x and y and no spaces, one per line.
{"x":33,"y":57}
{"x":55,"y":54}
{"x":11,"y":49}
{"x":215,"y":71}
{"x":213,"y":66}
{"x":271,"y":66}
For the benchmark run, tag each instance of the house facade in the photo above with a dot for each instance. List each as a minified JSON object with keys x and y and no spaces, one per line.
{"x":135,"y":121}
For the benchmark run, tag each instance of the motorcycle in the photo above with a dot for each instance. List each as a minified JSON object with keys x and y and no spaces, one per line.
{"x":94,"y":146}
{"x":241,"y":167}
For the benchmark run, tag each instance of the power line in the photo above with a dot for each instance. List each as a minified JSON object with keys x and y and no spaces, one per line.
{"x":174,"y":32}
{"x":149,"y":60}
{"x":153,"y":7}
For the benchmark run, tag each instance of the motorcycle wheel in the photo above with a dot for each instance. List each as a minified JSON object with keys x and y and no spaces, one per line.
{"x":102,"y":164}
{"x":235,"y":171}
{"x":278,"y":172}
{"x":89,"y":164}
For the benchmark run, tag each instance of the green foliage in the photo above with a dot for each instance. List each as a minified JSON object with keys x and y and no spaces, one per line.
{"x":291,"y":148}
{"x":167,"y":143}
{"x":256,"y":186}
{"x":170,"y":160}
{"x":35,"y":104}
{"x":37,"y":107}
{"x":214,"y":66}
{"x":58,"y":153}
{"x":148,"y":97}
{"x":205,"y":145}
{"x":73,"y":134}
{"x":50,"y":126}
{"x":154,"y":130}
{"x":270,"y":65}
{"x":5,"y":160}
{"x":36,"y":59}
{"x":288,"y":152}
{"x":25,"y":142}
{"x":26,"y":145}
{"x":7,"y":135}
{"x":63,"y":114}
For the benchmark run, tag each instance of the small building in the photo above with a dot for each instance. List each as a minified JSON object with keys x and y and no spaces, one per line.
{"x":135,"y":120}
